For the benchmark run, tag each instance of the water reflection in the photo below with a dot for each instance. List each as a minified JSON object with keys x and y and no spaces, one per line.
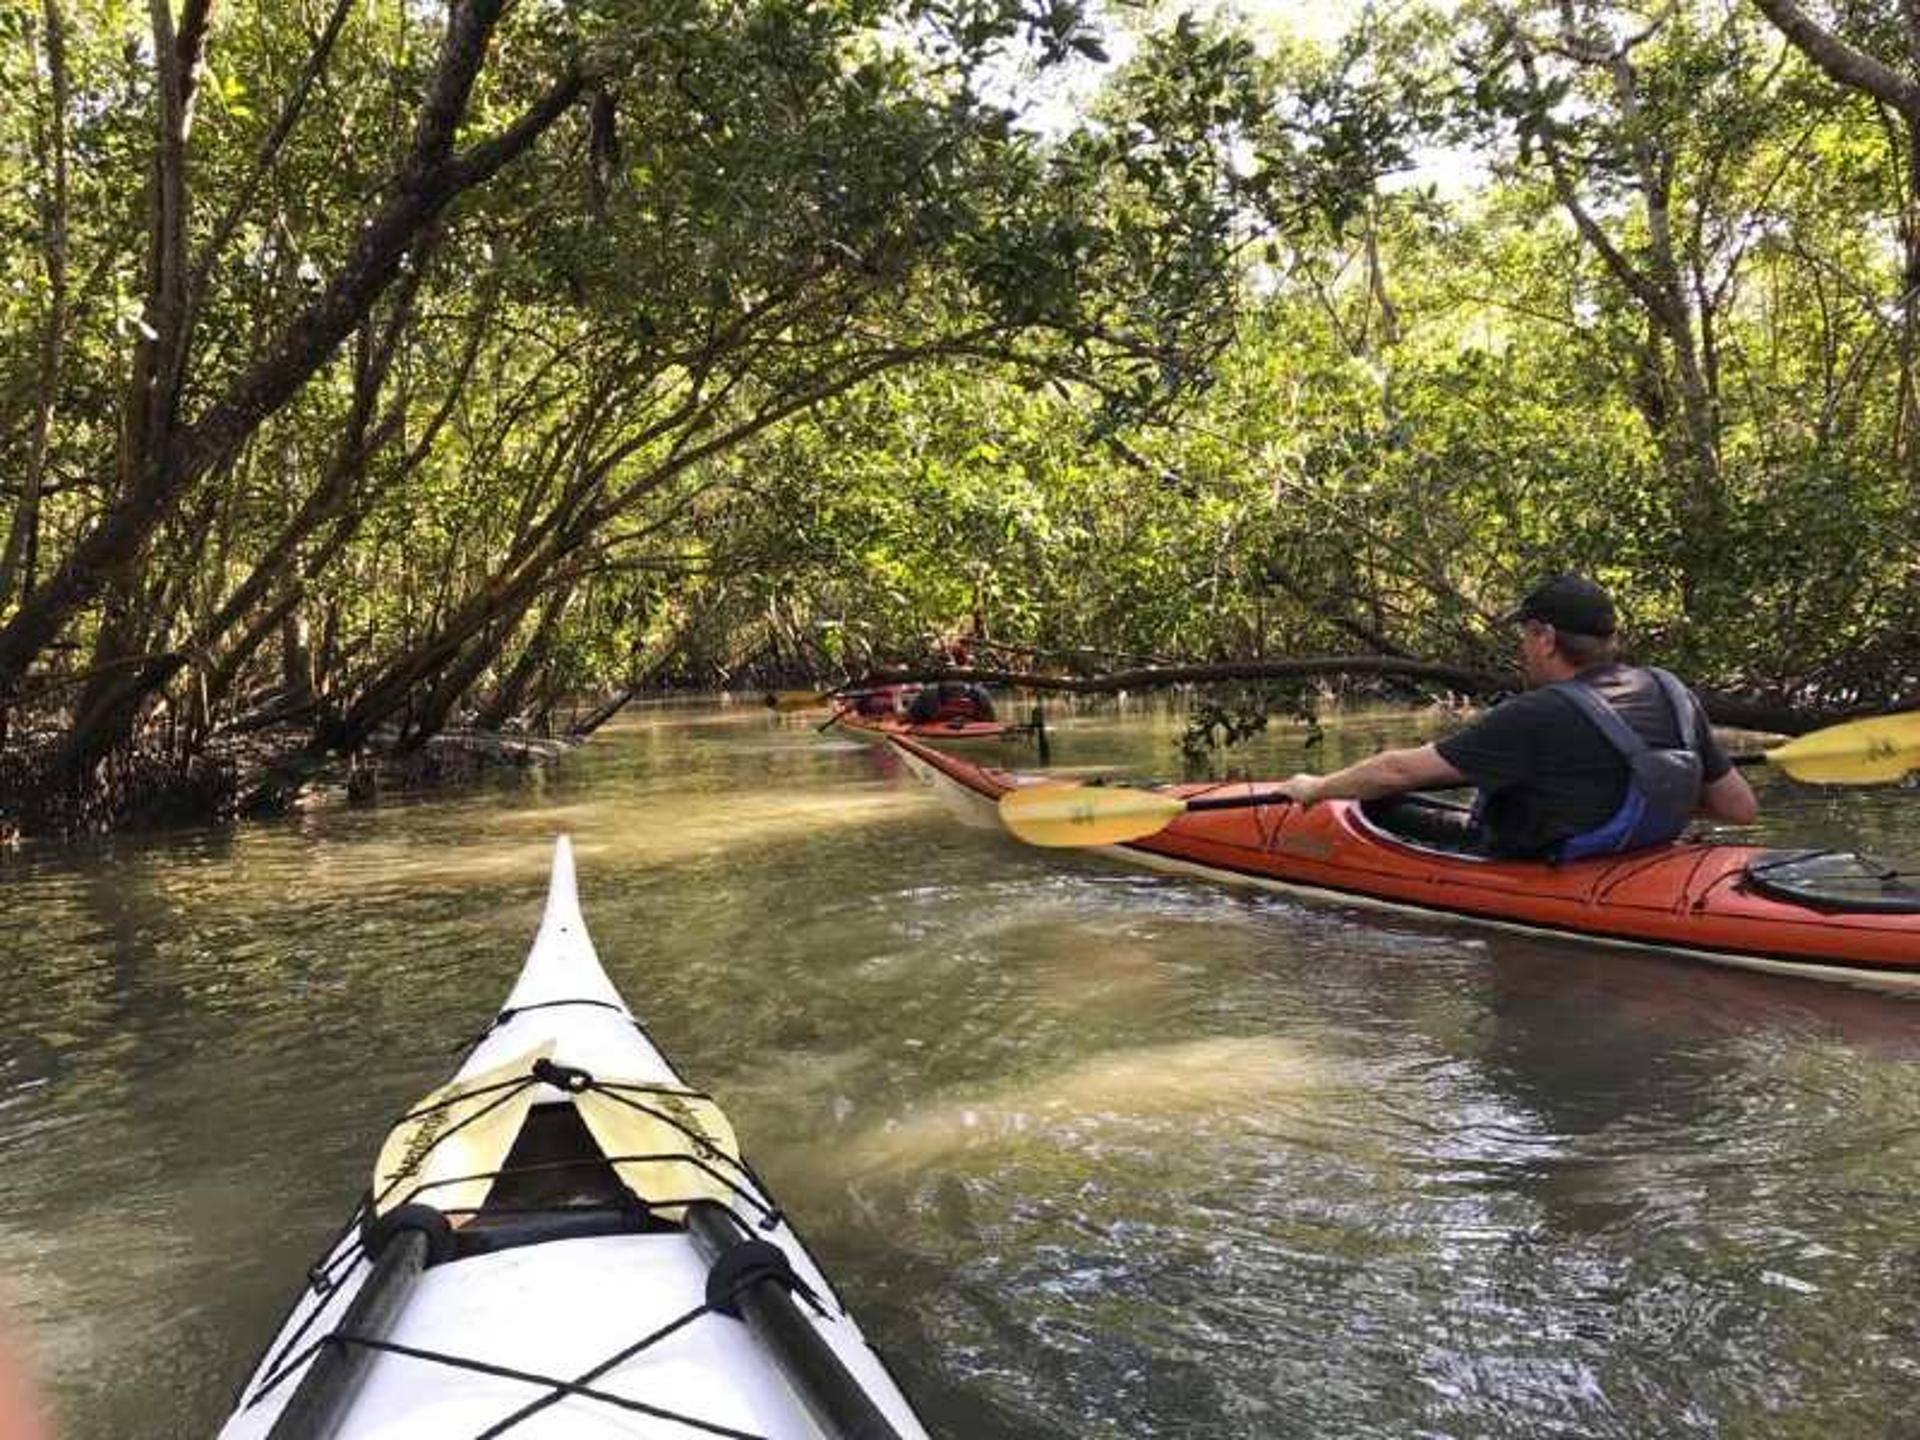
{"x":1094,"y":1154}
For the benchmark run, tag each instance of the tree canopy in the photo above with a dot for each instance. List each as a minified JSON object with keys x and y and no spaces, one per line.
{"x":368,"y":367}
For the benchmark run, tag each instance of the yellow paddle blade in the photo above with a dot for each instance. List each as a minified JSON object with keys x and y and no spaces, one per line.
{"x":698,"y":1157}
{"x":1859,"y":752}
{"x":1062,"y":815}
{"x":797,"y":699}
{"x":463,"y":1128}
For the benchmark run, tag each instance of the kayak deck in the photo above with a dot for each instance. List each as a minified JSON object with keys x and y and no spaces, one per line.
{"x":574,"y":1301}
{"x":575,"y":1304}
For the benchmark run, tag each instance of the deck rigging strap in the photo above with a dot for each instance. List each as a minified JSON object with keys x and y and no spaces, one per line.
{"x":719,"y":1301}
{"x":557,"y":1387}
{"x":510,"y":1012}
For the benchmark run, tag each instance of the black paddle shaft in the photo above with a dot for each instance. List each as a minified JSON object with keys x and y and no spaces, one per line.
{"x":1239,"y":802}
{"x":833,"y":1398}
{"x":326,"y":1391}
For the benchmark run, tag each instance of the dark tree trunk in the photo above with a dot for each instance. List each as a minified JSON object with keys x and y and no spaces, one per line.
{"x":431,"y":176}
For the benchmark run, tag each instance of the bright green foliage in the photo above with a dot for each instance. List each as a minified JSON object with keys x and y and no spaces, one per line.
{"x":1434,"y":396}
{"x":517,"y":437}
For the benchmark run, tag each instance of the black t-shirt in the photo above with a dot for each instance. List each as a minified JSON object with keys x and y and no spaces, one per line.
{"x":1546,"y":770}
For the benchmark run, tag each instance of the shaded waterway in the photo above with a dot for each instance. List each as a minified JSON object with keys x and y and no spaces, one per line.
{"x":1091,"y":1153}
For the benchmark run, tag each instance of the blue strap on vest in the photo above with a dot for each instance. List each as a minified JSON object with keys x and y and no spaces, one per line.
{"x":1663,"y":786}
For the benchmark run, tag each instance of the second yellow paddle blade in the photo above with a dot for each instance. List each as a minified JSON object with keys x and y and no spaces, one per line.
{"x":694,"y":1155}
{"x":796,"y":699}
{"x":1085,"y":814}
{"x":1857,"y":753}
{"x":446,"y":1150}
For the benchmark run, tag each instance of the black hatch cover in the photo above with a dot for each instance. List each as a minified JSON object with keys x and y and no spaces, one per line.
{"x":1835,"y":880}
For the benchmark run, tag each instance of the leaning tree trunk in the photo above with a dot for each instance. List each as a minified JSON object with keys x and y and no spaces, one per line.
{"x":511,"y":590}
{"x":1906,"y":418}
{"x":510,"y":698}
{"x":150,"y":408}
{"x":453,"y":683}
{"x":20,"y":559}
{"x":432,"y":175}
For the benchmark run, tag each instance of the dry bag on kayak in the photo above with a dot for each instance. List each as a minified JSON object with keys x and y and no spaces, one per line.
{"x":1663,"y":785}
{"x":950,"y":701}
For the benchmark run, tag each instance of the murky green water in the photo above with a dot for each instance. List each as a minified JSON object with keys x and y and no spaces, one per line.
{"x":1093,"y":1154}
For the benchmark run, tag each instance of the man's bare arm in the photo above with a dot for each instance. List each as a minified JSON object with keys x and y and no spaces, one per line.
{"x":1730,"y":798}
{"x":1388,"y":773}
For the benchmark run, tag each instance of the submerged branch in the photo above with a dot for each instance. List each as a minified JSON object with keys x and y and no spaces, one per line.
{"x":1148,"y":677}
{"x":1744,"y":712}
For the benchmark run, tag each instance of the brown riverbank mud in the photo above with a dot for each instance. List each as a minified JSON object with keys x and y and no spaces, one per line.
{"x":257,"y":775}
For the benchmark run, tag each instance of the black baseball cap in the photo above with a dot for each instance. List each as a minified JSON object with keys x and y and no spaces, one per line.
{"x":1567,"y":602}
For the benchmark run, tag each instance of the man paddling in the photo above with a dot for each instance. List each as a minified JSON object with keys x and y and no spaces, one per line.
{"x":1595,"y":758}
{"x":950,"y":700}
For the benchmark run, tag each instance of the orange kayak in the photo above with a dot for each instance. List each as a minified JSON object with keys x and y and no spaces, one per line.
{"x":1830,"y":915}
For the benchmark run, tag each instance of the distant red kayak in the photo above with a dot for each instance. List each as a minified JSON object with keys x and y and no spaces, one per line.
{"x":942,"y":731}
{"x":1829,"y":915}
